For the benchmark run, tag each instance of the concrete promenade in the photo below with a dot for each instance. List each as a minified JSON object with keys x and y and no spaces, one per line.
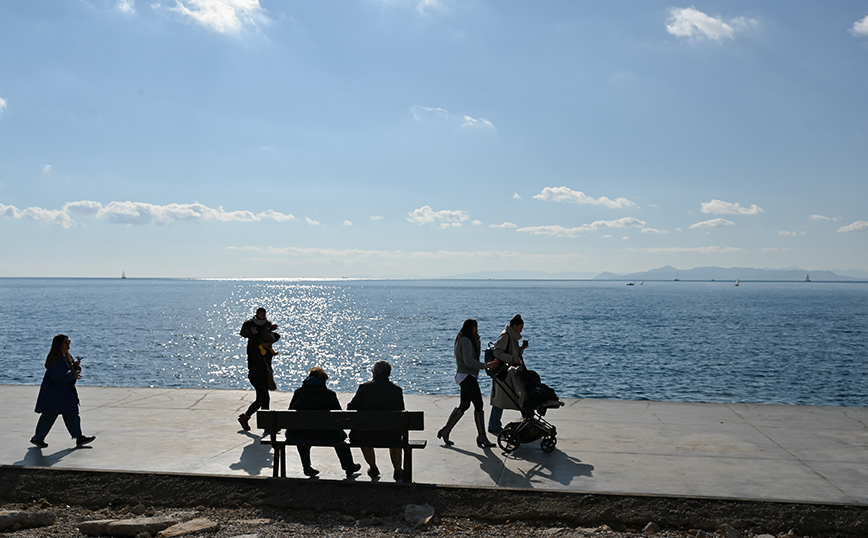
{"x":729,"y":451}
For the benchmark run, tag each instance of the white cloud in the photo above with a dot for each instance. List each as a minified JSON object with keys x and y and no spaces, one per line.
{"x":476,"y":222}
{"x":719,"y":207}
{"x":505,"y":225}
{"x":784,"y":233}
{"x":377,"y":217}
{"x":565,"y":194}
{"x":2,"y":105}
{"x":654,"y":231}
{"x":426,"y":6}
{"x":561,"y":231}
{"x":713,"y":223}
{"x":692,"y":24}
{"x":421,"y":113}
{"x":222,"y":16}
{"x":46,"y":169}
{"x":516,"y":196}
{"x":858,"y":226}
{"x":139,"y":213}
{"x":311,"y":221}
{"x":51,"y":216}
{"x":348,"y":223}
{"x":127,"y":6}
{"x":481,"y":123}
{"x":860,"y":27}
{"x":695,"y":250}
{"x":446,"y":218}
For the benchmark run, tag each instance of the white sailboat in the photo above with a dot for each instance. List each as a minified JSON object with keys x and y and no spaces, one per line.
{"x":736,"y":282}
{"x":123,"y":274}
{"x":808,"y":278}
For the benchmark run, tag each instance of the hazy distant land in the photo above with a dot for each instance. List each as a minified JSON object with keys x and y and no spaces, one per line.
{"x":697,"y":273}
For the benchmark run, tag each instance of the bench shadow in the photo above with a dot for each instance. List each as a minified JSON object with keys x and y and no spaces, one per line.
{"x":556,"y":466}
{"x":254,"y":457}
{"x":35,"y":457}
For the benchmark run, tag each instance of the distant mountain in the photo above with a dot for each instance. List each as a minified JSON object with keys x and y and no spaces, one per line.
{"x":524,"y":275}
{"x":730,"y":273}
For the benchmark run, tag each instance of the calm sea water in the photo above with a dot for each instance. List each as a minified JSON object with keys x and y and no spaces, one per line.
{"x":794,"y":343}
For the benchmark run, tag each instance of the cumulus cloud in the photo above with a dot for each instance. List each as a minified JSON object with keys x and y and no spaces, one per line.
{"x":473,"y":123}
{"x":785,"y":233}
{"x":51,"y":216}
{"x":860,"y":27}
{"x":692,"y":24}
{"x":222,"y":16}
{"x":46,"y":169}
{"x":445,"y":218}
{"x":713,"y":223}
{"x":348,"y":223}
{"x":126,"y":6}
{"x":505,"y":225}
{"x":719,"y":207}
{"x":561,"y":231}
{"x":858,"y":226}
{"x":139,"y":213}
{"x":2,"y":105}
{"x":653,"y":231}
{"x":377,"y":217}
{"x":516,"y":196}
{"x":566,"y":194}
{"x":311,"y":221}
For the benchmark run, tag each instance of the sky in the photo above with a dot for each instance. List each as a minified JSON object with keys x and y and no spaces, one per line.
{"x":430,"y":138}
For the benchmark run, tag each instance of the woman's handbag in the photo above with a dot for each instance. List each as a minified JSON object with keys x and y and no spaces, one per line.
{"x":499,"y":368}
{"x":271,"y":384}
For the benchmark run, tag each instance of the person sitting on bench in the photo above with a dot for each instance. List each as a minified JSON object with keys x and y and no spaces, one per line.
{"x":379,"y":394}
{"x":313,"y":395}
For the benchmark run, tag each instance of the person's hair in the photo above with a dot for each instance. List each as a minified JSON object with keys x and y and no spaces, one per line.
{"x":382,"y":368}
{"x":516,"y":321}
{"x":260,"y":309}
{"x":316,"y":371}
{"x":467,"y":331}
{"x":54,"y":352}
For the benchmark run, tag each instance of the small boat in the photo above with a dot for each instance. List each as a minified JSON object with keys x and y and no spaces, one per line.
{"x":123,"y":274}
{"x":808,"y":278}
{"x":631,"y":283}
{"x":736,"y":282}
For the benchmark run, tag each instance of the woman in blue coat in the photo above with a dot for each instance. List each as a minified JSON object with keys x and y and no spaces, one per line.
{"x":57,"y":394}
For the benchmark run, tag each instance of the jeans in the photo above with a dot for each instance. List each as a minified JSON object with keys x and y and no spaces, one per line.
{"x":494,"y":417}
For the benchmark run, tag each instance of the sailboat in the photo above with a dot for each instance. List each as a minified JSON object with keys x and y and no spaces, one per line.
{"x":123,"y":274}
{"x":736,"y":282}
{"x":808,"y":278}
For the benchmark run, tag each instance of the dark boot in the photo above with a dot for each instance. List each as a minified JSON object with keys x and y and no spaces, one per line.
{"x":447,"y":429}
{"x":481,"y":438}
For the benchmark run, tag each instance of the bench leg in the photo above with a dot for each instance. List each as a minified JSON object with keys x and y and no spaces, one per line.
{"x":282,"y":461}
{"x":274,"y":473}
{"x":408,"y":465}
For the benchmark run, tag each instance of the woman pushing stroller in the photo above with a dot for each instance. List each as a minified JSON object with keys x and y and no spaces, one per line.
{"x":467,"y":348}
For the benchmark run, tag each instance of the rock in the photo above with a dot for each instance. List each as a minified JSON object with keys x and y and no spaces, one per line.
{"x":260,"y":521}
{"x":764,"y":536}
{"x":132,"y":527}
{"x":344,"y":518}
{"x":651,"y":528}
{"x":193,"y":526}
{"x":418,"y":514}
{"x":139,"y":509}
{"x":730,"y":532}
{"x":96,"y":527}
{"x":246,"y":536}
{"x":21,"y":519}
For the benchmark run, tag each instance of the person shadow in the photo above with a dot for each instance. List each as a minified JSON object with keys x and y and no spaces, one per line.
{"x":490,"y":464}
{"x":254,"y":457}
{"x":556,"y":466}
{"x":36,"y":458}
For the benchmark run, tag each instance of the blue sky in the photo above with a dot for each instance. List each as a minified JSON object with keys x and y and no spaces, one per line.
{"x":390,"y":138}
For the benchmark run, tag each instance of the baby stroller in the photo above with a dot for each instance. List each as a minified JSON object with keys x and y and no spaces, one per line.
{"x":534,"y":398}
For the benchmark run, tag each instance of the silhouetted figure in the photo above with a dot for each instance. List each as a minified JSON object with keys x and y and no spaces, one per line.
{"x":379,"y":394}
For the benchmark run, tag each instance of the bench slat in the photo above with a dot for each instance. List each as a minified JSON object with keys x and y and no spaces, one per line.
{"x":340,"y":420}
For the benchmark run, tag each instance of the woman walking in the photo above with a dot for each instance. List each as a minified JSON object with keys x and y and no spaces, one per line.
{"x":57,"y":394}
{"x":467,"y":348}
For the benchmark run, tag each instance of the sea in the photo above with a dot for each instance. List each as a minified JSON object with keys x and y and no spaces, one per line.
{"x":803,"y":343}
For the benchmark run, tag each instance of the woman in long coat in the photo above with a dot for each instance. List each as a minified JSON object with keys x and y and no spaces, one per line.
{"x":508,"y":350}
{"x":57,"y":394}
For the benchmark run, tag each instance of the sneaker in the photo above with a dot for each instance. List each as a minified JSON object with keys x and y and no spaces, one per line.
{"x":38,"y":443}
{"x":83,"y":440}
{"x":310,"y":472}
{"x":244,"y":420}
{"x":373,"y":472}
{"x":353,"y":470}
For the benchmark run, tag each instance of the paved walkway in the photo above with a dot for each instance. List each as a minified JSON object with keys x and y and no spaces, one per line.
{"x":744,"y":451}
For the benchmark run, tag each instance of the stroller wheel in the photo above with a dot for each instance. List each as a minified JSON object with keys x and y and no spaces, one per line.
{"x":548,"y":444}
{"x":508,"y":440}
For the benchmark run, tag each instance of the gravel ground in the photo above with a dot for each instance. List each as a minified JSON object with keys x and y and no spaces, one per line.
{"x":287,"y":507}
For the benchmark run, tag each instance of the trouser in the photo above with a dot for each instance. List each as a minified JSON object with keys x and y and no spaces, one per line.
{"x":46,"y":421}
{"x":263,"y":399}
{"x":494,"y":418}
{"x":470,"y":393}
{"x":341,"y":449}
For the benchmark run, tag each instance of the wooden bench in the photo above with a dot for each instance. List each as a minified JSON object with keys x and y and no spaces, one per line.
{"x":277,"y":422}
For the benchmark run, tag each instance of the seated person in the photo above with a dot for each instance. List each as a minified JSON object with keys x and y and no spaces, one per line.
{"x":379,"y":394}
{"x":313,"y":395}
